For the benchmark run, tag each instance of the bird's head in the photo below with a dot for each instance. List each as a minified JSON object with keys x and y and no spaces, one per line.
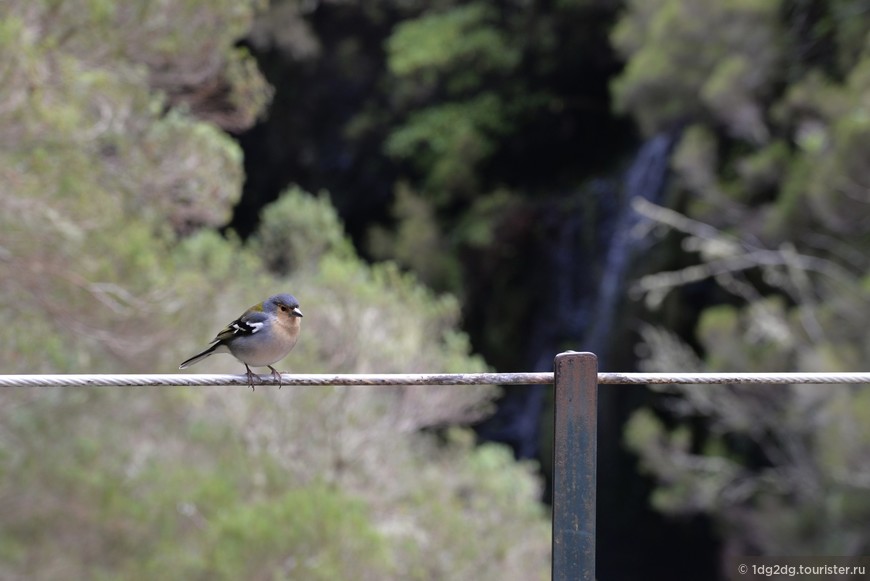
{"x":283,"y":304}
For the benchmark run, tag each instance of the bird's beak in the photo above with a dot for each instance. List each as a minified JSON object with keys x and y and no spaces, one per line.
{"x":296,"y":312}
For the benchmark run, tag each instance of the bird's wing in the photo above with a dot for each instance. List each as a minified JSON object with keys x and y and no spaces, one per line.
{"x":246,"y":325}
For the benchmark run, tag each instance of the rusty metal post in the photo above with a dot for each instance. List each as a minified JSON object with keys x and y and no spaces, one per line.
{"x":575,"y":465}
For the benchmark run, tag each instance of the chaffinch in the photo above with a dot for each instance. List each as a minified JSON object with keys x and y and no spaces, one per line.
{"x":264,"y":334}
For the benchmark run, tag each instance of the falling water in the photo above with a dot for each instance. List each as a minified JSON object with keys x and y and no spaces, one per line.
{"x":645,"y":179}
{"x":588,"y":258}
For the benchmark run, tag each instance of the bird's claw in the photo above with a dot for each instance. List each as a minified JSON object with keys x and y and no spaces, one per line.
{"x":276,"y":374}
{"x":250,"y":377}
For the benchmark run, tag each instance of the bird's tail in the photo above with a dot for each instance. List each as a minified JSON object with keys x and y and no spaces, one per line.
{"x":200,"y":356}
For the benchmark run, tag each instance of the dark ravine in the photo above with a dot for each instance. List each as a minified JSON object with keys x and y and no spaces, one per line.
{"x":588,"y":255}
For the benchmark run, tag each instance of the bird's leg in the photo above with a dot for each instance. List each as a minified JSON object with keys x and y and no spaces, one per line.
{"x":276,"y":374}
{"x":250,"y":377}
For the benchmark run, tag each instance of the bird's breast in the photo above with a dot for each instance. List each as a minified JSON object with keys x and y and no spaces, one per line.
{"x":256,"y":350}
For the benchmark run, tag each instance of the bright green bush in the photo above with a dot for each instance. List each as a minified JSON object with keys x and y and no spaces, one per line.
{"x":298,"y":230}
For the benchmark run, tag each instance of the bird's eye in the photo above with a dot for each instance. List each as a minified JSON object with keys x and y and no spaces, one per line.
{"x":283,"y":308}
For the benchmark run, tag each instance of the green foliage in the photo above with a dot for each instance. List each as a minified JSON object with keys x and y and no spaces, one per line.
{"x":688,"y":58}
{"x":461,"y":43}
{"x":773,"y":170}
{"x":791,"y":501}
{"x":814,"y":437}
{"x":112,"y":178}
{"x":86,"y":148}
{"x":416,"y":242}
{"x":296,"y":484}
{"x":695,"y":161}
{"x":762,"y":171}
{"x":310,"y":533}
{"x":448,"y":142}
{"x":198,"y":177}
{"x":450,"y":74}
{"x":297,"y":231}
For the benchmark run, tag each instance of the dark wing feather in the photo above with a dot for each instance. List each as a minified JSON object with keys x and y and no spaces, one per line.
{"x":246,"y":325}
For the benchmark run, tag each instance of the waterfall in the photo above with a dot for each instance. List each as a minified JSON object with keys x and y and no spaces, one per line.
{"x":645,"y":179}
{"x":586,"y":260}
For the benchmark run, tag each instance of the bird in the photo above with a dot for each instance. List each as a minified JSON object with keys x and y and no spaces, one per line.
{"x":261,"y":336}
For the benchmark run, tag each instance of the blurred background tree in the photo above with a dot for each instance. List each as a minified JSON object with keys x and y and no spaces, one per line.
{"x":776,"y":211}
{"x":116,"y":171}
{"x":675,"y":184}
